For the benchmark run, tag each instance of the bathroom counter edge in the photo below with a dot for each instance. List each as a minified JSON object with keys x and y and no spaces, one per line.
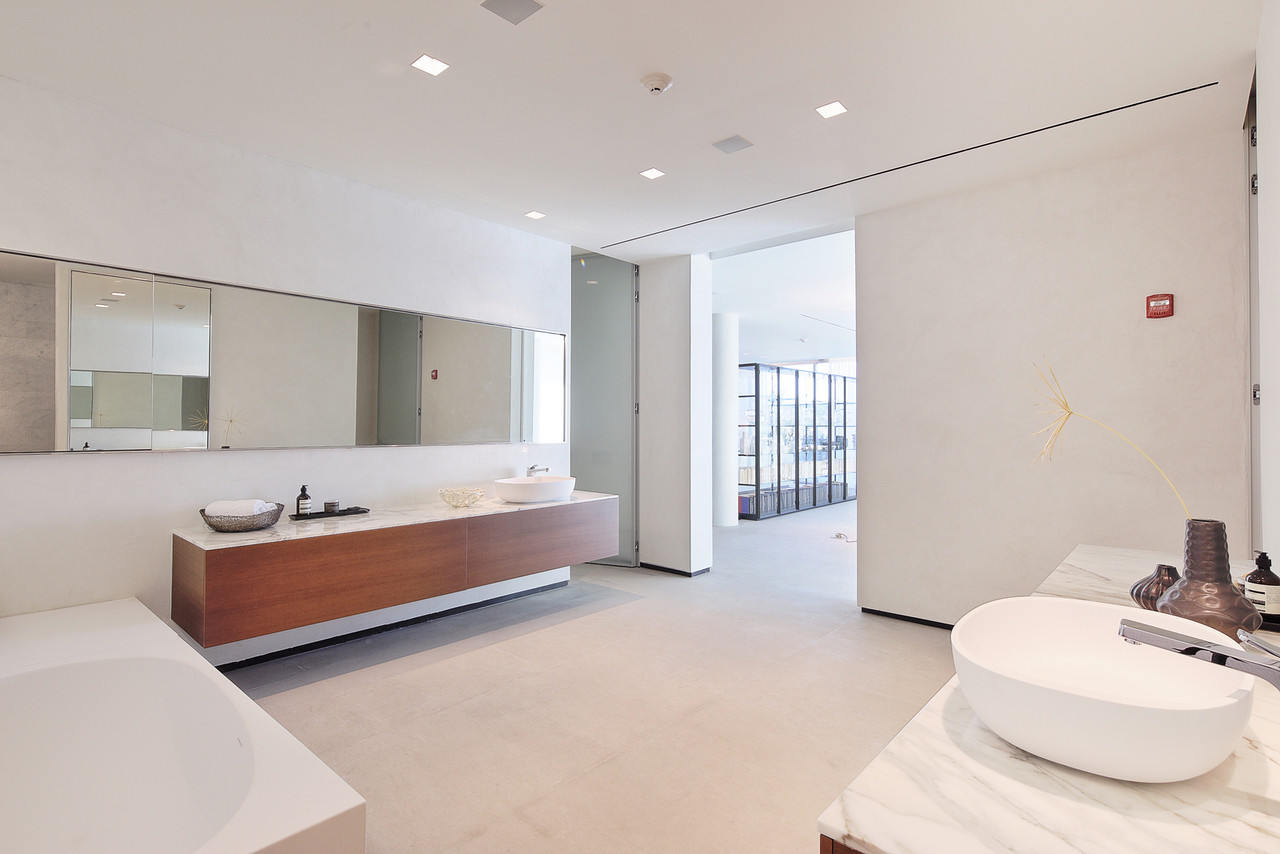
{"x":947,"y":783}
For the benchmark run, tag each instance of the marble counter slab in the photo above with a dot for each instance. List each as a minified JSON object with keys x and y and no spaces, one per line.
{"x":946,"y":783}
{"x":435,"y":511}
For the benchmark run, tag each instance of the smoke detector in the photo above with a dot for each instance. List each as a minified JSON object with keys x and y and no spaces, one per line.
{"x":656,"y":83}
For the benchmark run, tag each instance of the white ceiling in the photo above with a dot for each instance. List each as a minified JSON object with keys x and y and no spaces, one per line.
{"x":795,"y":302}
{"x":550,"y":114}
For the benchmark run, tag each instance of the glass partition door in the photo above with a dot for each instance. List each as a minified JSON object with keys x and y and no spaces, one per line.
{"x":808,"y":444}
{"x":788,"y":441}
{"x":837,"y":439}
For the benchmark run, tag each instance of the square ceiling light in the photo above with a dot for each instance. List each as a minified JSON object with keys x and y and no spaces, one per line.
{"x":431,"y":65}
{"x":535,"y":214}
{"x":513,"y":11}
{"x":653,"y":174}
{"x":828,"y":111}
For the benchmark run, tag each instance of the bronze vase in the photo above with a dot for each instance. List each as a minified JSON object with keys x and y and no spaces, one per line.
{"x":1205,"y":593}
{"x":1146,"y":591}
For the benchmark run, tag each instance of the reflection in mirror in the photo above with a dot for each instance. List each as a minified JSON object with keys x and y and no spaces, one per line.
{"x":95,"y":358}
{"x":283,"y":372}
{"x":29,"y":371}
{"x":543,"y":381}
{"x":139,"y":362}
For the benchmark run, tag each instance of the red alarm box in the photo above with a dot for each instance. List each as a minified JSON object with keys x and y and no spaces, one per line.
{"x":1160,"y":305}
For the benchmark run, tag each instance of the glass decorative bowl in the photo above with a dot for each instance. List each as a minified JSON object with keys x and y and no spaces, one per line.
{"x":461,"y":496}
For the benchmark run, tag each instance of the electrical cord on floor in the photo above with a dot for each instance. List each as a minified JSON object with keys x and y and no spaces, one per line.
{"x":840,"y":535}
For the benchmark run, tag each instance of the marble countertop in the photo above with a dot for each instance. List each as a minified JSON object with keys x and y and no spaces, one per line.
{"x":435,"y":511}
{"x":947,"y":783}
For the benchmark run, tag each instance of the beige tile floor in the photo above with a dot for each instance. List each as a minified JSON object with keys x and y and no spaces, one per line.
{"x":631,"y":711}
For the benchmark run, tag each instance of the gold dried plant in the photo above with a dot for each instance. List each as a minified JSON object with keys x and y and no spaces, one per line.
{"x":1058,"y":399}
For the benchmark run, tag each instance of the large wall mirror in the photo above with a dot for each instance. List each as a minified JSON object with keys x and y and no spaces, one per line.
{"x":94,"y":358}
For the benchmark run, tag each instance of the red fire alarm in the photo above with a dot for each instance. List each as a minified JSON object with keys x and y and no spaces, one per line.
{"x":1160,"y":305}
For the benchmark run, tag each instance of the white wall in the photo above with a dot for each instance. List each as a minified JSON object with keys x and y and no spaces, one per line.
{"x":1268,"y":121}
{"x":79,"y":528}
{"x":674,"y":444}
{"x":957,"y":297}
{"x":724,"y":419}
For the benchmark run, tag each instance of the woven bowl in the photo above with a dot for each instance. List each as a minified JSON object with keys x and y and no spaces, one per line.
{"x":461,"y":496}
{"x":240,"y":524}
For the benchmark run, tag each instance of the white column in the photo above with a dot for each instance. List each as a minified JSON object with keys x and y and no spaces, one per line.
{"x":724,"y":419}
{"x":674,"y":440}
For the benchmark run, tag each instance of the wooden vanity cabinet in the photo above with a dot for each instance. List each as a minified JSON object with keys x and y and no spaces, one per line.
{"x":228,"y":594}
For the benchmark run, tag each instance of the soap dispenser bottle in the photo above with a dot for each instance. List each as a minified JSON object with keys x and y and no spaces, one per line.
{"x":1262,"y":588}
{"x":304,"y":501}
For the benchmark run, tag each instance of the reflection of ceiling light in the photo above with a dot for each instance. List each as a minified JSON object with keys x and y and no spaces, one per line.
{"x":653,"y":174}
{"x":434,"y":67}
{"x":101,"y":305}
{"x":206,"y":326}
{"x":535,"y":214}
{"x":831,"y":110}
{"x":118,"y":294}
{"x":592,"y":282}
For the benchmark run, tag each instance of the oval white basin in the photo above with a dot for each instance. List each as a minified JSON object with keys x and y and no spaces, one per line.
{"x":1053,"y":677}
{"x":530,"y":490}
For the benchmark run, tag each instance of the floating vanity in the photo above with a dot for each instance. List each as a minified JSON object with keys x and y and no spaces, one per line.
{"x":946,"y":783}
{"x":231,"y":587}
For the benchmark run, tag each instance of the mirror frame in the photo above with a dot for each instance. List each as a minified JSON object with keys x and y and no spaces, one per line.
{"x":63,"y":373}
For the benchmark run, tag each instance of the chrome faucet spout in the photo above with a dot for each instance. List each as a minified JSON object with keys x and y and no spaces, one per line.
{"x":1265,"y":665}
{"x":532,"y":470}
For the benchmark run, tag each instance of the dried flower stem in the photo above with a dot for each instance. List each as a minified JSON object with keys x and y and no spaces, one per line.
{"x":1059,"y":399}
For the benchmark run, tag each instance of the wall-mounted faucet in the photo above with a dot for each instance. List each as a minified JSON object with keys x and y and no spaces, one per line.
{"x":532,"y":470}
{"x":1265,"y":664}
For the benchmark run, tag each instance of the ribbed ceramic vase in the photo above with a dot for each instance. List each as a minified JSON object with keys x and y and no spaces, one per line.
{"x":1146,"y":591}
{"x":1205,"y":593}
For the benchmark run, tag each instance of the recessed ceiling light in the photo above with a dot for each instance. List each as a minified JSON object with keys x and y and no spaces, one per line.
{"x":432,"y":66}
{"x":206,"y":326}
{"x":592,"y":282}
{"x":653,"y":174}
{"x":101,"y":305}
{"x":831,"y":110}
{"x":118,"y":294}
{"x":535,"y":214}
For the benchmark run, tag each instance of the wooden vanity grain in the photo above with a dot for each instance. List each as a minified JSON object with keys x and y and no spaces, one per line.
{"x":232,"y":593}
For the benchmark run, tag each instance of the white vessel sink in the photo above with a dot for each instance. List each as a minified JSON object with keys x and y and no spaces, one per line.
{"x":530,"y":490}
{"x":1053,"y":677}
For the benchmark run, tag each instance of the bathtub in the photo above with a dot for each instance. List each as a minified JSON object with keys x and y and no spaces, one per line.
{"x":118,"y":737}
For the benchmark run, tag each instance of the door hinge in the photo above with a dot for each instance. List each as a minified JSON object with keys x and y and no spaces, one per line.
{"x":637,"y":545}
{"x":1253,"y":183}
{"x":637,"y":409}
{"x":1257,"y":395}
{"x":419,"y":410}
{"x":1253,"y":136}
{"x":637,"y":296}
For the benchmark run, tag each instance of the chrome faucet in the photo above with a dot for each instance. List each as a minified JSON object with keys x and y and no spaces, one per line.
{"x":1265,"y":663}
{"x":532,"y":470}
